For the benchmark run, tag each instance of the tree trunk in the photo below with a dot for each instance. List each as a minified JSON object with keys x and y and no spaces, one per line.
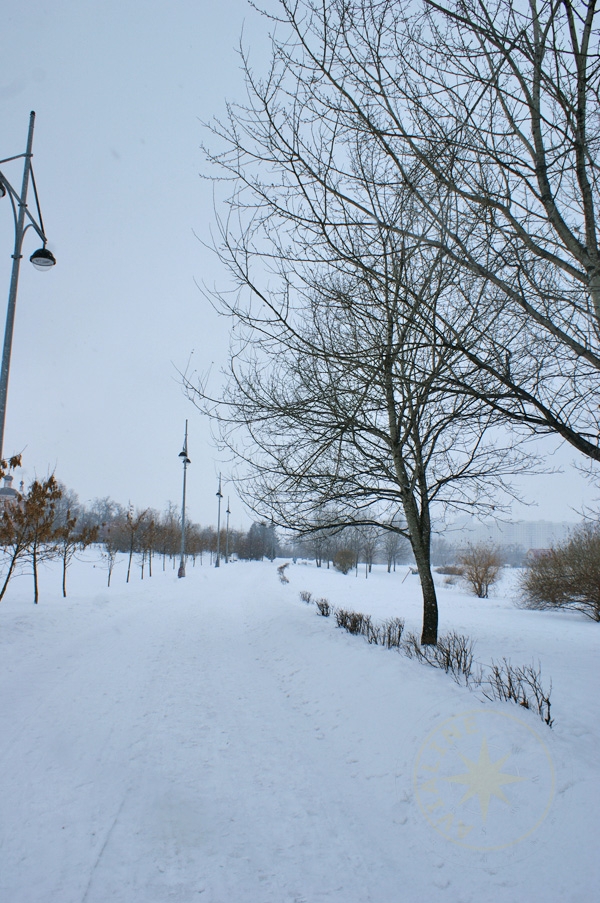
{"x":430,"y":607}
{"x":8,"y":576}
{"x":64,"y":577}
{"x":35,"y":575}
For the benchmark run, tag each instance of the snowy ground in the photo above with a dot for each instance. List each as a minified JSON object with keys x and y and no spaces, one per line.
{"x":214,"y":739}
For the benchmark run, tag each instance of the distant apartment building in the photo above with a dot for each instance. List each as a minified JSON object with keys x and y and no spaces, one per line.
{"x":534,"y":534}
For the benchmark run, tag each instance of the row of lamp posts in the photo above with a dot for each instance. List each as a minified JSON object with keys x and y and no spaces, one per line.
{"x":228,"y":512}
{"x":183,"y":454}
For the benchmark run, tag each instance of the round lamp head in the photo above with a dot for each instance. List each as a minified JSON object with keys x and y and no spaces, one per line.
{"x":43,"y":259}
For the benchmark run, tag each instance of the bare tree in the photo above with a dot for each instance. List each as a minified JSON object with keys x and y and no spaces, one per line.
{"x":481,"y":565}
{"x":70,"y":539}
{"x":147,"y":540}
{"x":370,"y":536}
{"x":169,"y":533}
{"x":395,"y":548}
{"x":487,"y":113}
{"x":135,"y":522}
{"x":349,"y":405}
{"x":110,"y":550}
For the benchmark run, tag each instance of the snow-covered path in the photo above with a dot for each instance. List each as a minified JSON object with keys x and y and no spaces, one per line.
{"x":205,"y":740}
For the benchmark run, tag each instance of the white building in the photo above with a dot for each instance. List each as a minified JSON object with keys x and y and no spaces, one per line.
{"x":7,"y":493}
{"x":534,"y":534}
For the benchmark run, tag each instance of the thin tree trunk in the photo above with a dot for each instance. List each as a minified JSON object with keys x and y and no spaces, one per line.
{"x":129,"y":563}
{"x":35,"y":575}
{"x":11,"y":568}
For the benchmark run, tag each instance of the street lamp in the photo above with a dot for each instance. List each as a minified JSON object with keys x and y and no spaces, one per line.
{"x":228,"y":512}
{"x":183,"y":454}
{"x":219,"y":496}
{"x":42,"y":259}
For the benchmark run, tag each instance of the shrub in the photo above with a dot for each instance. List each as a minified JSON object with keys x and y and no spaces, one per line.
{"x":568,"y":576}
{"x":481,"y":565}
{"x":344,"y":560}
{"x":521,"y":685}
{"x":452,"y":570}
{"x":341,"y":617}
{"x":305,"y":596}
{"x":324,"y":607}
{"x":453,"y":653}
{"x":391,"y":632}
{"x":357,"y":623}
{"x":388,"y":633}
{"x":352,"y":621}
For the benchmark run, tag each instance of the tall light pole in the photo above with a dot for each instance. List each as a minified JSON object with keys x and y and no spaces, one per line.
{"x":42,"y":259}
{"x":219,"y":496}
{"x":228,"y":512}
{"x":183,"y":454}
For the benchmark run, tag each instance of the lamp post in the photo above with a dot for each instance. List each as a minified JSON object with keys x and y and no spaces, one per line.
{"x":42,"y":259}
{"x":183,"y":454}
{"x":219,"y":496}
{"x":228,"y":512}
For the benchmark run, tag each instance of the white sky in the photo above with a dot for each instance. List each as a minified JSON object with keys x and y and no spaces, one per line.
{"x":120,"y":90}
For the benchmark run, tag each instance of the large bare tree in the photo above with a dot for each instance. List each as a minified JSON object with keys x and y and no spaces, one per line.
{"x":342,"y":400}
{"x":487,"y":113}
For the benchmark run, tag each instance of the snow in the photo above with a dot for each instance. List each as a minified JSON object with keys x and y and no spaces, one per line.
{"x":215,"y":739}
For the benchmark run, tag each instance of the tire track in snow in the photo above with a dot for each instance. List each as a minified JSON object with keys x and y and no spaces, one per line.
{"x":102,"y":849}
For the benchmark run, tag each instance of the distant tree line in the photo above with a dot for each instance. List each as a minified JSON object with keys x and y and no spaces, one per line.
{"x":48,"y":522}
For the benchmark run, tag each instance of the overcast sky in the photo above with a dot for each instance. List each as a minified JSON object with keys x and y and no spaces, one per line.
{"x":120,"y":88}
